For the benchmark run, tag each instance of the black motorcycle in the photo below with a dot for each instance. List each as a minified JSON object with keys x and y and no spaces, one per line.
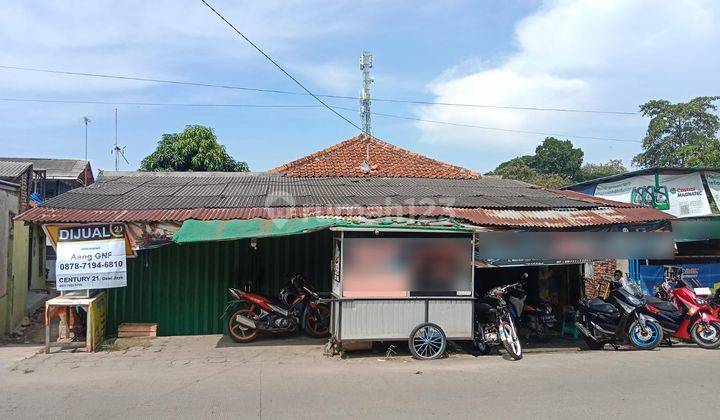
{"x":618,"y":320}
{"x":298,"y":307}
{"x":494,"y":325}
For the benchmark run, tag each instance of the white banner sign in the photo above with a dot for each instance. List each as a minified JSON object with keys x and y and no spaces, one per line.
{"x":91,"y":264}
{"x":680,"y":195}
{"x":713,"y":182}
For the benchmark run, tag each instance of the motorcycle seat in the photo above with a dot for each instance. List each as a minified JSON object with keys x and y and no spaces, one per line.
{"x":663,"y":305}
{"x":599,"y":305}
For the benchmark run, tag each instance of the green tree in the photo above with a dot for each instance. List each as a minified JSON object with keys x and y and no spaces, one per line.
{"x":519,"y":170}
{"x":195,"y":149}
{"x":599,"y":170}
{"x":681,"y":134}
{"x":555,"y":156}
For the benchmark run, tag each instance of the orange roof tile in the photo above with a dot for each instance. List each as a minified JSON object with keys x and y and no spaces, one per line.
{"x":346,"y":159}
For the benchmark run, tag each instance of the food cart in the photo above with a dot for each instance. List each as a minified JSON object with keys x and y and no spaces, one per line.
{"x":396,"y":284}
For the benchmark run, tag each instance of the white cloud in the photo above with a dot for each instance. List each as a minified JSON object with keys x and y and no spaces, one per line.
{"x":159,"y":38}
{"x":589,"y":55}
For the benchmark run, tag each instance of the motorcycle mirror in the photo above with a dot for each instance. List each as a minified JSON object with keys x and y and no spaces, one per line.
{"x":526,"y":275}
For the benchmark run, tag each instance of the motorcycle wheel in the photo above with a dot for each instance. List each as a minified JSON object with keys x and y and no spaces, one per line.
{"x":511,"y":342}
{"x":238,"y":332}
{"x":311,"y":325}
{"x":707,"y":337}
{"x":646,"y":339}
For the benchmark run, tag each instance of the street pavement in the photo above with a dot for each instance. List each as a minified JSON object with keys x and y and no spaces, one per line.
{"x":207,"y":377}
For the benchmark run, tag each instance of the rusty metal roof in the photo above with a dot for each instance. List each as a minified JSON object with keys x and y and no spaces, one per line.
{"x":118,"y":197}
{"x":477,"y":216}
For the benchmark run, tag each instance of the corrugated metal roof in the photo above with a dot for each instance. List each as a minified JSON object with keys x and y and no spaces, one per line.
{"x":54,"y":168}
{"x":476,"y":216}
{"x":157,"y":192}
{"x":9,"y":170}
{"x":485,"y":201}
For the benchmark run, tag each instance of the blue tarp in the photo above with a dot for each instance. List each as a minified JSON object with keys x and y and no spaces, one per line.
{"x":707,"y":275}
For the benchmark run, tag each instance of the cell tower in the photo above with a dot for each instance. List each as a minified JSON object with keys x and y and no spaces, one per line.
{"x":366,"y":63}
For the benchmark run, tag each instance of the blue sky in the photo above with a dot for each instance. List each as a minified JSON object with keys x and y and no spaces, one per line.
{"x":606,"y":55}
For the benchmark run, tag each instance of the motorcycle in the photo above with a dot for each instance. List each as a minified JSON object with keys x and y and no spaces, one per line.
{"x":683,"y":314}
{"x":494,"y":324}
{"x":533,"y":320}
{"x":618,"y":320}
{"x":298,"y":307}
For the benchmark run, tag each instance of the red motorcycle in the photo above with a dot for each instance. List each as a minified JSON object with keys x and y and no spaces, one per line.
{"x":683,"y":314}
{"x":298,"y":307}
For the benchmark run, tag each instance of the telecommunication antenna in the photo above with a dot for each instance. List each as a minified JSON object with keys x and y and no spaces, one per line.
{"x":87,"y":121}
{"x":366,"y":63}
{"x":117,"y":150}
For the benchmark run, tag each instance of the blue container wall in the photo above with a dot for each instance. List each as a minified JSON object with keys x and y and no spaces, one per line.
{"x":183,"y":288}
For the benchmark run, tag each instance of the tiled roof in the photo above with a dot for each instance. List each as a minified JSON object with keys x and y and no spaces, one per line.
{"x":70,"y":169}
{"x":223,"y":196}
{"x":348,"y":158}
{"x":9,"y":170}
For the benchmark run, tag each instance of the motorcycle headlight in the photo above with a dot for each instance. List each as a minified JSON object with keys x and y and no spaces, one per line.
{"x":700,"y":301}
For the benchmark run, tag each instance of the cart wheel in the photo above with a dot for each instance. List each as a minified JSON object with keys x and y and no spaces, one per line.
{"x":427,"y":341}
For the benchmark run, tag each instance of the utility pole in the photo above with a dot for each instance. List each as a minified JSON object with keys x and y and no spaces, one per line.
{"x":366,"y":63}
{"x":86,"y":119}
{"x":116,"y":148}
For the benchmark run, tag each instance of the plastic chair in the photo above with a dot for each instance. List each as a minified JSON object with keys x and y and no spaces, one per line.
{"x":568,"y":325}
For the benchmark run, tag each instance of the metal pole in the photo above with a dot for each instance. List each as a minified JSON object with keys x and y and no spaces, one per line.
{"x":87,"y":120}
{"x":116,"y":149}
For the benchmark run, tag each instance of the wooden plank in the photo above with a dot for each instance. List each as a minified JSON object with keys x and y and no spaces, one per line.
{"x":138,"y":327}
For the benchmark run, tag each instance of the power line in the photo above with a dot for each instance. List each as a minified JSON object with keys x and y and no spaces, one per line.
{"x":286,"y":92}
{"x":381,"y":114}
{"x":508,"y":130}
{"x":279,"y":66}
{"x":177,"y":104}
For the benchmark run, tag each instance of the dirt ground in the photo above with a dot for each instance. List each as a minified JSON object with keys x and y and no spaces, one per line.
{"x":212,"y":377}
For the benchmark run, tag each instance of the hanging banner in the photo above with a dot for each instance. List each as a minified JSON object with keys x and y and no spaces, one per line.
{"x":713,"y":183}
{"x":91,"y":257}
{"x":680,"y":195}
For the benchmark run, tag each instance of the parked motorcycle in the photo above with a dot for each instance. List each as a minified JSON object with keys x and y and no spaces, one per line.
{"x":298,"y":307}
{"x":494,"y":324}
{"x":618,"y":320}
{"x":533,"y":321}
{"x":684,"y":315}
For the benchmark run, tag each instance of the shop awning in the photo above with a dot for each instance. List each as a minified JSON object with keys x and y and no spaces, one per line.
{"x":226,"y":230}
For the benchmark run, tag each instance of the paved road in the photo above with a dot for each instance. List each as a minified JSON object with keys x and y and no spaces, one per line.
{"x":203,"y":377}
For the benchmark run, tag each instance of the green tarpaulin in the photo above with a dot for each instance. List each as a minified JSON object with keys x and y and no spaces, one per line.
{"x":226,"y":230}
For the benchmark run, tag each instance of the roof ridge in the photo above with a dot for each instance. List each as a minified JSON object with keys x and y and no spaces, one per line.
{"x":287,"y":167}
{"x":350,"y":144}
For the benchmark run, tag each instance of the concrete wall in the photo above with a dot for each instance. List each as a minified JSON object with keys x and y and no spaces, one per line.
{"x":38,"y":275}
{"x":9,"y":208}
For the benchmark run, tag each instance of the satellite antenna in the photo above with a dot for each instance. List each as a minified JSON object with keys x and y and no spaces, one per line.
{"x":117,"y":150}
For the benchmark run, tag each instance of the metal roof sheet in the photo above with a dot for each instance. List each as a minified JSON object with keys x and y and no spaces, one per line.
{"x":10,"y":170}
{"x":476,"y":216}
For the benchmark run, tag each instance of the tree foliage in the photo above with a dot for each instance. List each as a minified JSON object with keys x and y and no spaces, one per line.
{"x":195,"y":149}
{"x":599,"y":170}
{"x":681,"y":134}
{"x":555,"y":163}
{"x":555,"y":156}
